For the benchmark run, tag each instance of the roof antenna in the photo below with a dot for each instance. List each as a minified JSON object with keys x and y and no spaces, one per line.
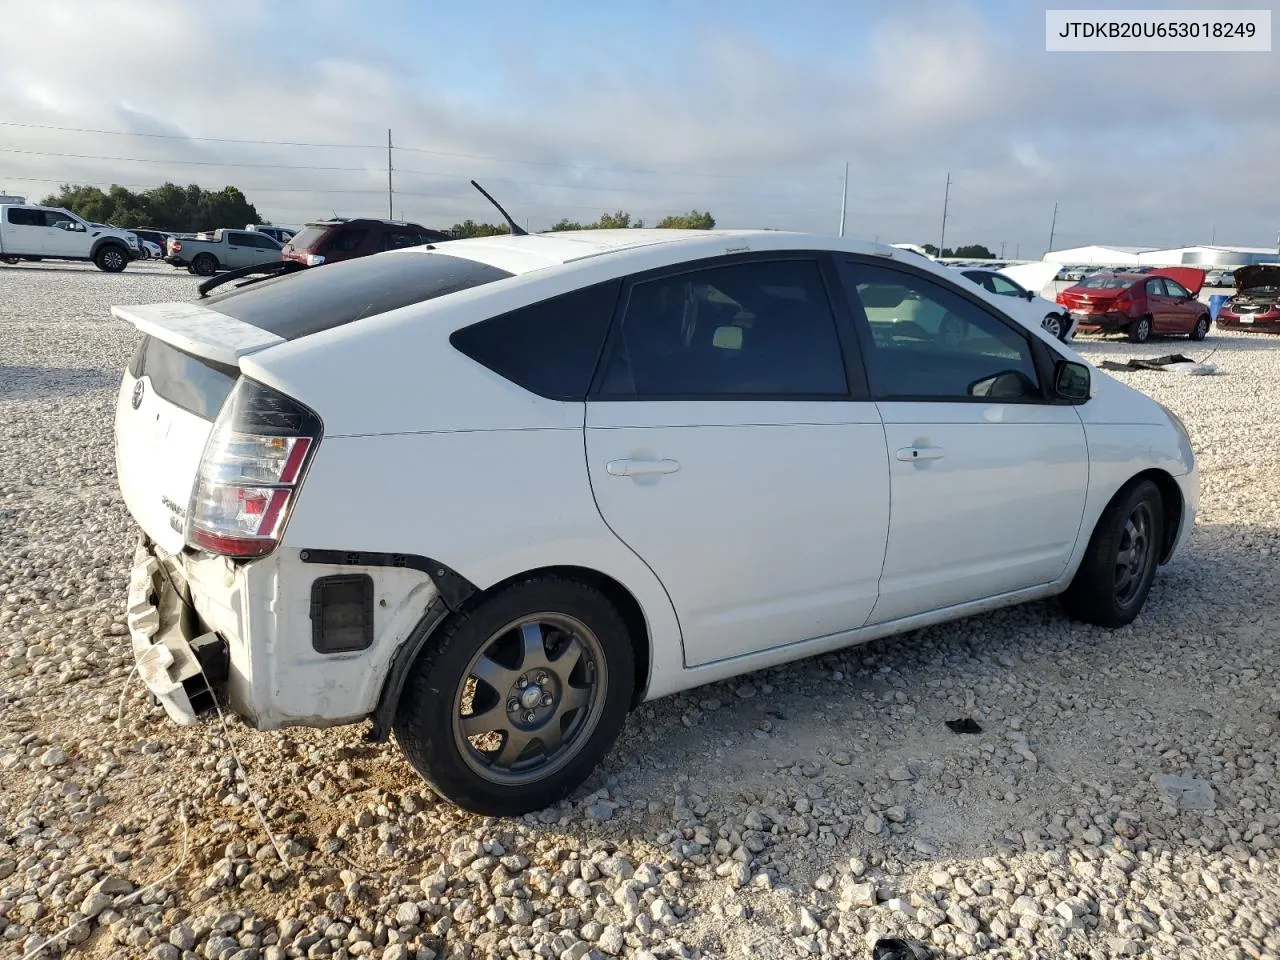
{"x":516,"y":229}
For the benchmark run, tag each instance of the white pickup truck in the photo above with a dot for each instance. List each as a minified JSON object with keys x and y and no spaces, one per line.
{"x":207,"y":253}
{"x":32,"y":232}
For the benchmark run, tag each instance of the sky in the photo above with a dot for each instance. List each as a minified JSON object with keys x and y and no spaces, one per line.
{"x":748,"y":109}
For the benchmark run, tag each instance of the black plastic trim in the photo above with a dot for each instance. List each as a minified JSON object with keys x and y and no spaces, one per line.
{"x":454,"y":588}
{"x":384,"y":713}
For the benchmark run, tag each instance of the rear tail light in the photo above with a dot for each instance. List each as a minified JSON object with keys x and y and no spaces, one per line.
{"x":1061,"y":299}
{"x":1121,"y":304}
{"x":175,"y":245}
{"x":253,"y":463}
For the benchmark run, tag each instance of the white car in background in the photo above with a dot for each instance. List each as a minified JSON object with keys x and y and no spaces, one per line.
{"x":493,"y":494}
{"x":1027,"y":305}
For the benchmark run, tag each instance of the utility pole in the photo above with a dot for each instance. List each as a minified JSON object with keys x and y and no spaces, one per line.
{"x":390,"y":207}
{"x":1016,"y":251}
{"x":1214,"y":239}
{"x":844,"y":196}
{"x":1001,"y":249}
{"x":1052,"y":228}
{"x":946,"y":197}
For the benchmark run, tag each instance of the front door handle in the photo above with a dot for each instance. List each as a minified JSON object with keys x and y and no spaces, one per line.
{"x":911,"y":454}
{"x":640,"y":468}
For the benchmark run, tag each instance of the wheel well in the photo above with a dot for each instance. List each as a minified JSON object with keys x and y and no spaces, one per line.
{"x":1170,"y":502}
{"x":626,"y":604}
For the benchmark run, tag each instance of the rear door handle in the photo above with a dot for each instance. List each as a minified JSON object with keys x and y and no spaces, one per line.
{"x":910,"y":454}
{"x":640,"y":468}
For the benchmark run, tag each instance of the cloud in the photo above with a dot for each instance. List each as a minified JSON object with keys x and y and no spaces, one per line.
{"x":744,"y":117}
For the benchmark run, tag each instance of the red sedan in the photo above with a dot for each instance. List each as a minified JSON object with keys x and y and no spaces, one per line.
{"x":1140,"y":304}
{"x":1256,"y":305}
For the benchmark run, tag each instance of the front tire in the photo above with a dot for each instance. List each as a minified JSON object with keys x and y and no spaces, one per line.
{"x":205,"y":264}
{"x":111,"y":258}
{"x":1054,"y":326}
{"x":1119,"y":565}
{"x":1140,"y":330}
{"x":1201,"y":329}
{"x":513,"y":703}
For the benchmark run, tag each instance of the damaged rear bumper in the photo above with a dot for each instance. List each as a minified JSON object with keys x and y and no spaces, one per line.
{"x":182,"y":664}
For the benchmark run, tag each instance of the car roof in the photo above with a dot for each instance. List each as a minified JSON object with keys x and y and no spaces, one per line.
{"x":524,"y":253}
{"x":362,"y":221}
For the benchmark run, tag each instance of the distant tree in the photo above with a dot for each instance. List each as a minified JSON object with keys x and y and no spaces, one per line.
{"x":169,"y":207}
{"x":930,"y":249}
{"x":974,"y":251}
{"x":469,"y":228}
{"x":693,"y":220}
{"x":620,"y":220}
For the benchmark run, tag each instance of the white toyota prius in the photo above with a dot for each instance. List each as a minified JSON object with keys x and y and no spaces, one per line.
{"x":492,"y":494}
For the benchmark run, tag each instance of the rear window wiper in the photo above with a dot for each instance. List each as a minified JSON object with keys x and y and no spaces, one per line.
{"x":268,"y":270}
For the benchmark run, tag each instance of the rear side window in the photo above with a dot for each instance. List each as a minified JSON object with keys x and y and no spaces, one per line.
{"x":196,"y":385}
{"x":300,"y":304}
{"x":26,"y":218}
{"x":550,"y":348}
{"x":347,"y":241}
{"x":395,"y":239}
{"x":745,"y":330}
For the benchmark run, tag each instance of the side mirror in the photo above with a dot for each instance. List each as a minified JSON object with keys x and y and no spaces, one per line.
{"x":1071,"y":381}
{"x":1029,"y":294}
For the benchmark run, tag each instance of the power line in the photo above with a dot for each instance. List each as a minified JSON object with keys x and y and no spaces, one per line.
{"x":197,"y":163}
{"x":563,"y":164}
{"x":183,"y":136}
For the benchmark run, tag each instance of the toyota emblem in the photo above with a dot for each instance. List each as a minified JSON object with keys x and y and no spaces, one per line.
{"x":137,"y":394}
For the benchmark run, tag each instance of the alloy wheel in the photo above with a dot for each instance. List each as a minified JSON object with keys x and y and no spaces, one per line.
{"x":530,"y":698}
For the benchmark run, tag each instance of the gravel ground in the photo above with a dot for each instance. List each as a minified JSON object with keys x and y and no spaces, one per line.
{"x":801,"y":811}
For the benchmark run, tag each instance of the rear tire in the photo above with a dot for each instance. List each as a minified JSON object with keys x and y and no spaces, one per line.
{"x":1140,"y":330}
{"x":1201,"y":329}
{"x":205,"y":264}
{"x":11,"y":260}
{"x":545,"y":672}
{"x":1119,"y":565}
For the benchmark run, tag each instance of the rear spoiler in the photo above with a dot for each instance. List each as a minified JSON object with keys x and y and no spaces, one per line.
{"x":197,"y":330}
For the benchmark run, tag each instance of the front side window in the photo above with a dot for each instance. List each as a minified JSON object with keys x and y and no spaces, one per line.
{"x":53,"y":218}
{"x":347,"y":241}
{"x":931,"y":343}
{"x":1175,"y":289}
{"x":752,"y":329}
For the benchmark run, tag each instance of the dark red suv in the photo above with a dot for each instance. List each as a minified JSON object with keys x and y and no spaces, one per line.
{"x":328,"y":241}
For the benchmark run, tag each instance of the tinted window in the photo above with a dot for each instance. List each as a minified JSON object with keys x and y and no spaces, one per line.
{"x":549,"y":348}
{"x":763,"y":328}
{"x":395,"y":239}
{"x":196,"y":385}
{"x":308,"y":237}
{"x":347,"y":241}
{"x":54,"y":219}
{"x":1155,"y":287}
{"x":306,"y":302}
{"x":1105,"y":281}
{"x":26,"y":218}
{"x":932,"y":343}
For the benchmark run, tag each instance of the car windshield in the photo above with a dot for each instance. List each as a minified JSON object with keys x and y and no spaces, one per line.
{"x":1105,"y":281}
{"x":308,"y":237}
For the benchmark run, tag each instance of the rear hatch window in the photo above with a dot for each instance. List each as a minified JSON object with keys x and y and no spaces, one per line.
{"x":197,"y":385}
{"x":320,"y":298}
{"x":309,"y":237}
